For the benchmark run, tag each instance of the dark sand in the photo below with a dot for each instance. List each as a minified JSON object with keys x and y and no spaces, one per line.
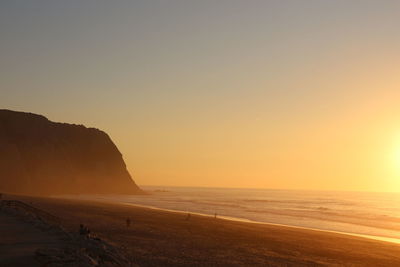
{"x":19,"y":241}
{"x":161,"y":238}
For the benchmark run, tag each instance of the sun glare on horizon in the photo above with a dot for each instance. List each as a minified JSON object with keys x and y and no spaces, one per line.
{"x":393,"y":166}
{"x":200,"y":133}
{"x":396,"y":157}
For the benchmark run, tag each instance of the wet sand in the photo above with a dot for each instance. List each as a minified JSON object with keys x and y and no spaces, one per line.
{"x":162,"y":238}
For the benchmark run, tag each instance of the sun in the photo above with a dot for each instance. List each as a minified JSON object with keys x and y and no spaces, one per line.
{"x":396,"y":157}
{"x":389,"y":172}
{"x":392,"y":158}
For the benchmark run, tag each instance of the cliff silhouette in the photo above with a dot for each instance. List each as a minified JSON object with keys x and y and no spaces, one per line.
{"x":41,"y":157}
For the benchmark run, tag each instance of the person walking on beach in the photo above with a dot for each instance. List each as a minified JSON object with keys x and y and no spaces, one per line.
{"x":81,"y":229}
{"x":128,"y":222}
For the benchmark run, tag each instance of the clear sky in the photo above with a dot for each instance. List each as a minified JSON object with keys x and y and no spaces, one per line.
{"x":272,"y":94}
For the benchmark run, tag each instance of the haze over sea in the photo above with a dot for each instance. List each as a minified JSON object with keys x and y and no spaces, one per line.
{"x":374,"y":215}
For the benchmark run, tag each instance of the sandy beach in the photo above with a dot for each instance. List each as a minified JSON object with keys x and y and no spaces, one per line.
{"x":162,"y":238}
{"x":20,"y":240}
{"x":199,"y":133}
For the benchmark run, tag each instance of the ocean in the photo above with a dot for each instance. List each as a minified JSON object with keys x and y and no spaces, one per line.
{"x":372,"y":215}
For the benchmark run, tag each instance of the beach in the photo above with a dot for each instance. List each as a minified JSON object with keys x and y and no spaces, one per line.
{"x":367,"y":214}
{"x":199,"y":133}
{"x":20,"y":240}
{"x":163,"y":238}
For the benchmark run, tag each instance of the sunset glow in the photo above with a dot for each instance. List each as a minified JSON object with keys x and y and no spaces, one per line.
{"x":200,"y":133}
{"x":396,"y":158}
{"x":277,"y":95}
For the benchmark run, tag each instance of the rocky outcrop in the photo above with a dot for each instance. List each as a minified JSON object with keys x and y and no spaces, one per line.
{"x":41,"y":157}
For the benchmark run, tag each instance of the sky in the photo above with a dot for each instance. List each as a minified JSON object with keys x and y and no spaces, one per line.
{"x":257,"y":94}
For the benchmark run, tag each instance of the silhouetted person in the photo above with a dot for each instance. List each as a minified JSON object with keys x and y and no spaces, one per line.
{"x":188,"y":217}
{"x":128,"y":222}
{"x":83,"y":230}
{"x":215,"y":215}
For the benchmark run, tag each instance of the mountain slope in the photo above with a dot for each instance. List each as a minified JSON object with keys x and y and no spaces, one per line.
{"x":41,"y":157}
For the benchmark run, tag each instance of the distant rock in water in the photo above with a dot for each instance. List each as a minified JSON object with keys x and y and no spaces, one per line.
{"x":41,"y":157}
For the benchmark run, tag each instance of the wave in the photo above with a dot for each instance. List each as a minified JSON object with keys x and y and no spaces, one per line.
{"x":371,"y":214}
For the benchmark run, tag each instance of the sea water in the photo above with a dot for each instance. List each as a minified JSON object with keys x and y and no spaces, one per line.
{"x":375,"y":215}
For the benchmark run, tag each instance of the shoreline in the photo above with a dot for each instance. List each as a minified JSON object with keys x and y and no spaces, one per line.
{"x":157,"y":237}
{"x":391,"y":240}
{"x":229,"y":218}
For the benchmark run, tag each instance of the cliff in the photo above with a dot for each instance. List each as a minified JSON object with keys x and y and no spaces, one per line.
{"x":41,"y":157}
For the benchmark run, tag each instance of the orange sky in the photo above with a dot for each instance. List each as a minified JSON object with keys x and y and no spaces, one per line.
{"x":271,"y":94}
